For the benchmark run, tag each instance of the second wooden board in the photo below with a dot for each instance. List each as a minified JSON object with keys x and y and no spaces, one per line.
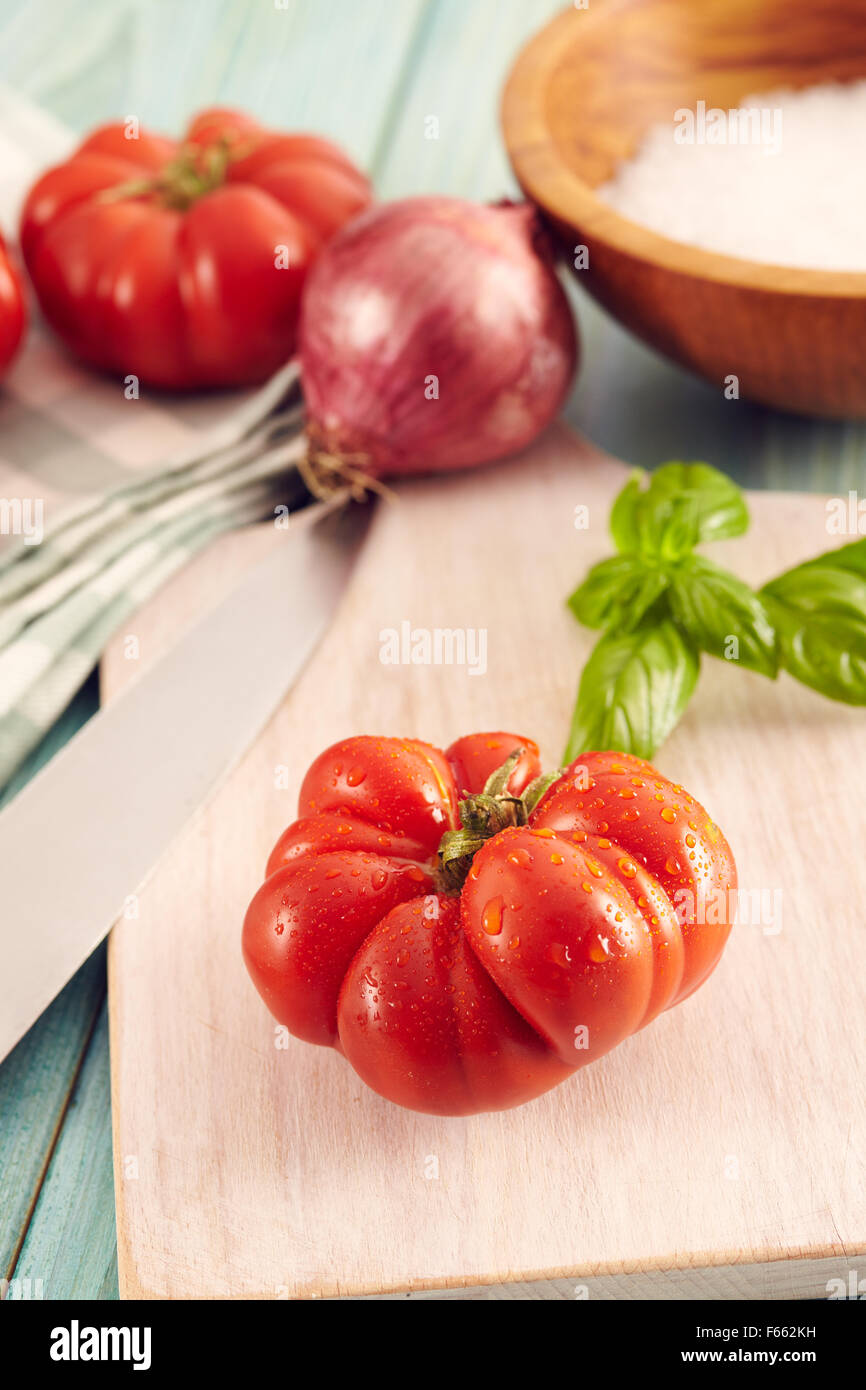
{"x":729,"y":1135}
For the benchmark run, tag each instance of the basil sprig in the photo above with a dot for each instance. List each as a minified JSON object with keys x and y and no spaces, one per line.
{"x":661,"y":605}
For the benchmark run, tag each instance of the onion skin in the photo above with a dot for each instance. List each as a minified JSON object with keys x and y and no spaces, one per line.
{"x":434,"y":287}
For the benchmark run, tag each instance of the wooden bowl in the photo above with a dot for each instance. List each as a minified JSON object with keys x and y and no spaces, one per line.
{"x":579,"y":101}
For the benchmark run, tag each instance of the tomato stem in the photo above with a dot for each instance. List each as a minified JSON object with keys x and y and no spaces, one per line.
{"x":196,"y":170}
{"x":482,"y":816}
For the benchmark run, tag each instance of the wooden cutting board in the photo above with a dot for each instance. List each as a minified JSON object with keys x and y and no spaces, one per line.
{"x":719,"y":1153}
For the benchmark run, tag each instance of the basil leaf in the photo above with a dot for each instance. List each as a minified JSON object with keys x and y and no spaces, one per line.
{"x":652,"y":520}
{"x":713,"y":502}
{"x":848,"y":557}
{"x":715,"y":607}
{"x":671,"y":530}
{"x":681,"y":506}
{"x":623,"y":515}
{"x":633,"y":690}
{"x":820,"y":616}
{"x":617,"y":592}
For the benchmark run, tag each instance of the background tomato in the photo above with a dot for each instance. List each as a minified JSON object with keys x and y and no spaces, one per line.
{"x":575,"y":925}
{"x":183,"y":263}
{"x":13,"y":315}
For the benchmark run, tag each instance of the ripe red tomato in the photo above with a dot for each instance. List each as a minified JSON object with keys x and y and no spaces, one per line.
{"x":13,"y":315}
{"x":466,"y":935}
{"x":183,"y":264}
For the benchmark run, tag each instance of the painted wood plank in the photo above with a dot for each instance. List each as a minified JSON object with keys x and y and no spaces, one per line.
{"x":444,"y":137}
{"x":728,"y":1134}
{"x":35,"y":1082}
{"x":70,"y":1248}
{"x":288,"y":64}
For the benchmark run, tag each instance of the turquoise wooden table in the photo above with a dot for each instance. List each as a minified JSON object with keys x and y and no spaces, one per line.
{"x":369,"y":74}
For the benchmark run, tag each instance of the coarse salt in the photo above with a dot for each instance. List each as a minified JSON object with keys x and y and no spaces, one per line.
{"x":780,"y":179}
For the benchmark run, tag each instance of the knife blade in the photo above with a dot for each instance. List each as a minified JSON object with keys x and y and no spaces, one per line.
{"x":85,"y":833}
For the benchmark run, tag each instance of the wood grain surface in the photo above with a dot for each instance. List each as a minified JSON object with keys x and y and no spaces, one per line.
{"x":578,"y":101}
{"x":729,"y":1136}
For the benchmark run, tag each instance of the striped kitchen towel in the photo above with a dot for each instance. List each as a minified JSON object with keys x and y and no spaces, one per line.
{"x":103,"y":497}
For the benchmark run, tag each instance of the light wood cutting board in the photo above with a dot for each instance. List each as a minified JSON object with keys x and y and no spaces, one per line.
{"x":719,"y":1153}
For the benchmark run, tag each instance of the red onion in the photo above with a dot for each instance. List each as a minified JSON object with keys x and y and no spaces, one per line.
{"x":434,"y":334}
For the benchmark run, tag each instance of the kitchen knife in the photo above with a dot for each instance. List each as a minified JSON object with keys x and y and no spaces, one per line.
{"x":84,"y":834}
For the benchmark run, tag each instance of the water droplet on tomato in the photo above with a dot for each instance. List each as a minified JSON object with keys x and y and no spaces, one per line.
{"x":521,"y":858}
{"x":491,"y":917}
{"x":556,"y":859}
{"x":378,"y":878}
{"x":668,"y":815}
{"x":355,"y":776}
{"x":402,"y":958}
{"x":626,"y":868}
{"x":690,"y":841}
{"x":598,"y":949}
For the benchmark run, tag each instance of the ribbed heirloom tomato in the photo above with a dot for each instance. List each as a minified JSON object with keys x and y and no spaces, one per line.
{"x":467,"y":932}
{"x":183,"y":263}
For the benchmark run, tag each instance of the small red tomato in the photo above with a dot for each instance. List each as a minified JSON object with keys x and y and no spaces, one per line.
{"x":183,"y":263}
{"x":13,"y":314}
{"x":468,"y":933}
